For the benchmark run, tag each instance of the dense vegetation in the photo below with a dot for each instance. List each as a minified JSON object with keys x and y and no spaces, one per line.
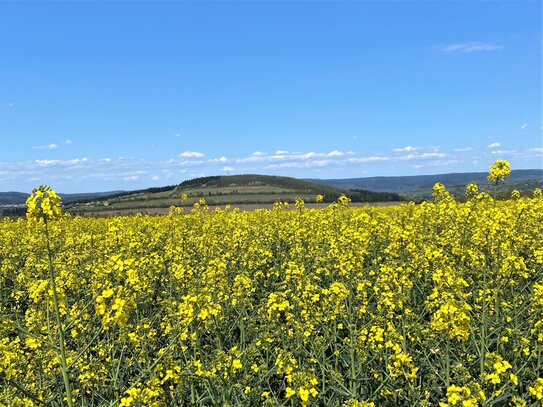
{"x":414,"y":305}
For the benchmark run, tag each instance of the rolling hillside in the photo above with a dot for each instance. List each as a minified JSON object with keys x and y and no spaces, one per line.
{"x":420,"y":186}
{"x":221,"y":190}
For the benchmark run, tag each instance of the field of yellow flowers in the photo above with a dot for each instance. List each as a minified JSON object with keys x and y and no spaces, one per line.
{"x":436,"y":304}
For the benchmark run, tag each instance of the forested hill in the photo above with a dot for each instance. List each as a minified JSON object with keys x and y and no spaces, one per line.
{"x":401,"y":184}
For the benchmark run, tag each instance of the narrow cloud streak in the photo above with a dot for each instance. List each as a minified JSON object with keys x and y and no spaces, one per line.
{"x":52,"y":146}
{"x":470,"y":47}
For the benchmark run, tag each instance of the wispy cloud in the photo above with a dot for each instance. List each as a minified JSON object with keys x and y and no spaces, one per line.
{"x":53,"y":146}
{"x":463,"y":149}
{"x":523,"y":127}
{"x":191,"y":154}
{"x":177,"y":135}
{"x":422,"y":156}
{"x":406,"y":149}
{"x":470,"y":47}
{"x":494,"y":145}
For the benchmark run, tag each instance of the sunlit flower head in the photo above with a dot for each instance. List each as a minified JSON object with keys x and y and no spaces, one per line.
{"x":499,"y":171}
{"x":43,"y":204}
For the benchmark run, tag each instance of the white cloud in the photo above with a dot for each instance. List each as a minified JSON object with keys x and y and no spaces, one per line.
{"x":131,"y":178}
{"x":502,"y":152}
{"x":10,"y":104}
{"x":177,"y":135}
{"x":523,"y":127}
{"x":258,"y":154}
{"x":222,"y":159}
{"x":421,"y":156}
{"x":336,"y":153}
{"x":463,"y":149}
{"x":470,"y":47}
{"x":494,"y":145}
{"x":227,"y":169}
{"x":302,"y":164}
{"x":52,"y":146}
{"x":374,"y":158}
{"x":47,"y":163}
{"x":191,"y":154}
{"x":406,"y":149}
{"x":281,"y":152}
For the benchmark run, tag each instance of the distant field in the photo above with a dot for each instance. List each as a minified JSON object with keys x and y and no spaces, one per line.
{"x":241,"y":207}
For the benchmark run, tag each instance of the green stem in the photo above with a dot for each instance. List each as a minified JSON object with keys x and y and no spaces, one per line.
{"x":483,"y":329}
{"x":62,"y":346}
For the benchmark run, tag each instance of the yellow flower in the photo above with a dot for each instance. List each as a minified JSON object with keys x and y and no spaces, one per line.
{"x":499,"y":171}
{"x":513,"y":378}
{"x":43,"y":205}
{"x":236,"y":364}
{"x":289,"y":392}
{"x":303,"y":393}
{"x":537,"y":389}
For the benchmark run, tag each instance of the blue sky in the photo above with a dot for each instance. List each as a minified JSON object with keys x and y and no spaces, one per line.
{"x":124,"y":95}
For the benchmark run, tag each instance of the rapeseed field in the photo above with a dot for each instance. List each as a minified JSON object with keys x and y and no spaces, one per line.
{"x":434,"y":304}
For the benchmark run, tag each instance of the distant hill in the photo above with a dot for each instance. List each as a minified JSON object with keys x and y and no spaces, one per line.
{"x":221,"y":190}
{"x":12,"y":198}
{"x":416,"y":182}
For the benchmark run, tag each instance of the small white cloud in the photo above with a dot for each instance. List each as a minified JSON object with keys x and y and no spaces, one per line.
{"x":52,"y":146}
{"x":355,"y":137}
{"x":258,"y":154}
{"x":10,"y":104}
{"x":227,"y":169}
{"x":523,"y":127}
{"x":463,"y":149}
{"x":470,"y":47}
{"x":155,"y":178}
{"x":336,"y":153}
{"x":494,"y":145}
{"x":46,"y":163}
{"x":281,"y":152}
{"x":191,"y":154}
{"x":222,"y":159}
{"x":132,"y":178}
{"x":177,"y":135}
{"x":406,"y":149}
{"x":422,"y":156}
{"x":374,"y":158}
